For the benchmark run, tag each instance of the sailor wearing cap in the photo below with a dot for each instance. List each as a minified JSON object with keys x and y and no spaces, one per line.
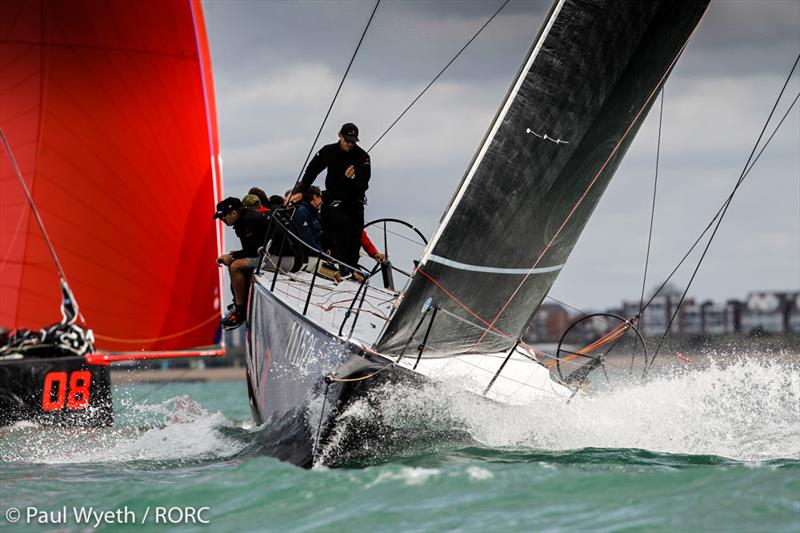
{"x":251,"y":228}
{"x":253,"y":202}
{"x":344,"y":198}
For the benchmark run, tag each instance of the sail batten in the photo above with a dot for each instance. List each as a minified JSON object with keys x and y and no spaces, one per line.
{"x":562,"y":131}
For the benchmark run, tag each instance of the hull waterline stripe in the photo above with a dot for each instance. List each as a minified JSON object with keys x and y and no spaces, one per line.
{"x":493,"y":270}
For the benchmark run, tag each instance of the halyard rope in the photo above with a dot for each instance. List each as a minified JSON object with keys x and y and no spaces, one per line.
{"x":344,"y":77}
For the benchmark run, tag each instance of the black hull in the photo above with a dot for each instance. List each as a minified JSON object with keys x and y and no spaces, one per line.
{"x":55,"y":391}
{"x":293,"y":394}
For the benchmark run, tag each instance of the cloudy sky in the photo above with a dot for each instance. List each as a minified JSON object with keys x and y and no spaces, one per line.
{"x":277,"y":64}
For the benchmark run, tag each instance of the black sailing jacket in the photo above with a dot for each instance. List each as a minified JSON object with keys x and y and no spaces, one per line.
{"x":350,"y":191}
{"x":251,"y":228}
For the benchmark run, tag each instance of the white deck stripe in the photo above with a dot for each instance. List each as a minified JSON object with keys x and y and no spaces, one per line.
{"x":489,"y":138}
{"x":493,"y":270}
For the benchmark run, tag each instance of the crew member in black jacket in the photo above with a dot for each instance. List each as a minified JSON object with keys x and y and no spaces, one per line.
{"x":344,"y":198}
{"x":251,"y":228}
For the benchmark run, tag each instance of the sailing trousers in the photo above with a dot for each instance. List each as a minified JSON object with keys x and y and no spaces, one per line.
{"x":341,"y":227}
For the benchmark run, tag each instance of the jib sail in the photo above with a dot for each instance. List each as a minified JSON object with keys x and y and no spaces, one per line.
{"x":567,"y":121}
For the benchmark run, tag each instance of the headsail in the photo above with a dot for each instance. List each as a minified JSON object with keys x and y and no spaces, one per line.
{"x":567,"y":121}
{"x":109,"y":110}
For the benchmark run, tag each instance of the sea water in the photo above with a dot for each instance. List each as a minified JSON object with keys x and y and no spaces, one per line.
{"x":711,"y":446}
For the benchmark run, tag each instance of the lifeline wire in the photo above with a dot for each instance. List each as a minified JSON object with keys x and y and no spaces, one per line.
{"x":324,"y":120}
{"x":747,"y":167}
{"x":414,"y":101}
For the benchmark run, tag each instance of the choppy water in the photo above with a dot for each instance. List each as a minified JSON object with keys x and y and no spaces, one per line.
{"x":711,"y":448}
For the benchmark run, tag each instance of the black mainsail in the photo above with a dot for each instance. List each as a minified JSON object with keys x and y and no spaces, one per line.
{"x":567,"y":121}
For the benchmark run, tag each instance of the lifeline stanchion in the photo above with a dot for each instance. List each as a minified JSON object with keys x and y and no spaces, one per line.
{"x":500,"y":370}
{"x":421,"y":347}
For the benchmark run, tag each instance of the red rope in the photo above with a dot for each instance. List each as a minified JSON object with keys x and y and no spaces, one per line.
{"x":463,"y":306}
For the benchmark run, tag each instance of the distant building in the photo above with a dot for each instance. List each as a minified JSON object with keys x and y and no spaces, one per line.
{"x":548,"y":324}
{"x":771,"y":312}
{"x":657,"y":314}
{"x":794,"y":315}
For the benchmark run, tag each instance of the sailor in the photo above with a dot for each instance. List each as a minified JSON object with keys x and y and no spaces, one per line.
{"x":370,"y":248}
{"x":262,"y":196}
{"x":371,"y":251}
{"x":346,"y":183}
{"x":306,"y":220}
{"x":252,"y":202}
{"x":276,"y":202}
{"x":251,"y":228}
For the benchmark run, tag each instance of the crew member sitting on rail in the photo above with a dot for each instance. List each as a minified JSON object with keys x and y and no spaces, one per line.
{"x":251,"y":228}
{"x":283,"y":253}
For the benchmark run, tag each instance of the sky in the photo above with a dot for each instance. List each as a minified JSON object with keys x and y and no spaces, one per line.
{"x":277,"y":65}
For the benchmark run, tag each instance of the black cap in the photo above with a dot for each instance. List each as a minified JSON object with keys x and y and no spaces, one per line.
{"x":350,"y":132}
{"x":227,"y":205}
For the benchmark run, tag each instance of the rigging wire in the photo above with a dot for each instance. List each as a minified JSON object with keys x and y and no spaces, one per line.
{"x":34,"y":209}
{"x":591,"y":184}
{"x":565,"y":304}
{"x":414,"y":101}
{"x":749,"y":164}
{"x":336,"y":95}
{"x":653,"y":207}
{"x":65,"y":284}
{"x":714,"y":218}
{"x":212,"y":318}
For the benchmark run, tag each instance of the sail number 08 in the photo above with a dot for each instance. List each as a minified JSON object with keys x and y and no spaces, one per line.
{"x":76,"y":398}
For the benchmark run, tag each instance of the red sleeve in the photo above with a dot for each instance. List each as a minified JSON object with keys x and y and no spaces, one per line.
{"x":367,"y":244}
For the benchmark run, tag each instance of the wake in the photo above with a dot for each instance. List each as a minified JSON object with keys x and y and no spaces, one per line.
{"x":747,"y":410}
{"x":178,"y":430}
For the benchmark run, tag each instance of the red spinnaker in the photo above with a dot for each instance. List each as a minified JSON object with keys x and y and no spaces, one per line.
{"x":109,"y":110}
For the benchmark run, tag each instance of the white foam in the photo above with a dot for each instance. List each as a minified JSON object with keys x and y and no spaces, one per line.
{"x":748,"y":410}
{"x":408,"y":475}
{"x":479,"y":474}
{"x":185,"y":432}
